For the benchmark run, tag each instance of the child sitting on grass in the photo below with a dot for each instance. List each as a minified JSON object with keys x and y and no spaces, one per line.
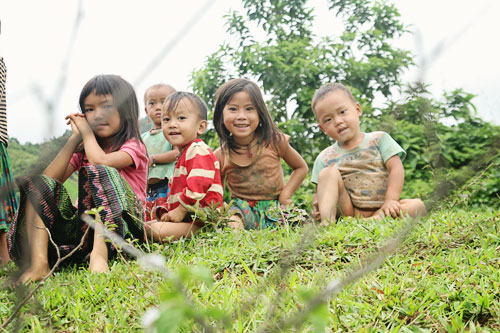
{"x":250,"y":156}
{"x":106,"y":149}
{"x":196,"y":177}
{"x":362,"y":173}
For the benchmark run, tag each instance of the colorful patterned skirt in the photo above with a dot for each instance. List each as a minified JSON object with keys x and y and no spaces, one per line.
{"x":257,"y":214}
{"x":98,"y":186}
{"x":8,"y":199}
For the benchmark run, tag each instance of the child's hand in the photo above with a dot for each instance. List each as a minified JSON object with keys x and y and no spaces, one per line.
{"x":391,"y":208}
{"x":74,"y":129}
{"x":285,"y":198}
{"x":81,"y":123}
{"x":176,"y":215}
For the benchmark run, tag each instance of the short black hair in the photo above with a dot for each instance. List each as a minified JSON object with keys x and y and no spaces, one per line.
{"x":328,"y":88}
{"x":171,"y":102}
{"x":157,"y":85}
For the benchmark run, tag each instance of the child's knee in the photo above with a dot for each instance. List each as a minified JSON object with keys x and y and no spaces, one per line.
{"x":414,"y":207}
{"x":420,"y":207}
{"x":329,"y":174}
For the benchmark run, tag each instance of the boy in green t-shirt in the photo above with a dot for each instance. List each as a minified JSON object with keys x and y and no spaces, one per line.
{"x":161,"y":155}
{"x":362,"y":173}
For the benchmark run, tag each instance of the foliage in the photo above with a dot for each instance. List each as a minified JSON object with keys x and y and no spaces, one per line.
{"x":441,"y":136}
{"x":445,"y":277}
{"x":290,"y":62}
{"x":30,"y":159}
{"x":22,"y":156}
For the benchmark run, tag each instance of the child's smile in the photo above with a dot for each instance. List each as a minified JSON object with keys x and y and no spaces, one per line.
{"x":182,"y":125}
{"x":241,"y":117}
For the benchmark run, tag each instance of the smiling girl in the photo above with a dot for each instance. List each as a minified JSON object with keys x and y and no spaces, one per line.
{"x":250,"y":155}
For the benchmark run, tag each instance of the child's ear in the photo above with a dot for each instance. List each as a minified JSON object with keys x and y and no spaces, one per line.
{"x":202,"y":127}
{"x":359,"y":110}
{"x":321,"y":128}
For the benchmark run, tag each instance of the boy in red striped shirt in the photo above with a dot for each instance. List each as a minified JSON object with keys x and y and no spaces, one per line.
{"x":197,"y":173}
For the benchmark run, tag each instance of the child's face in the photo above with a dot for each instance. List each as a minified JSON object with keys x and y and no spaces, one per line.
{"x":182,"y":125}
{"x":154,"y":102}
{"x":102,"y":115}
{"x":241,"y":117}
{"x":338,"y":117}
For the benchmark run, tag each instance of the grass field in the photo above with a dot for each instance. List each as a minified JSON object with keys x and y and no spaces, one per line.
{"x":444,"y":277}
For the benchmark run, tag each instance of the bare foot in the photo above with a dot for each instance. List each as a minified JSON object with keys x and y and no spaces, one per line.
{"x":33,"y":274}
{"x":236,"y":225}
{"x":373,"y":217}
{"x":98,"y":264}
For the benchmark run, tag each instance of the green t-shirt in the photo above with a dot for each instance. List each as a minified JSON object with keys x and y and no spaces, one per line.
{"x":362,"y":168}
{"x":157,"y":144}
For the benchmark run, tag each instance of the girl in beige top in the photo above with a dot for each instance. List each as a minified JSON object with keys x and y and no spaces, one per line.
{"x":250,"y":155}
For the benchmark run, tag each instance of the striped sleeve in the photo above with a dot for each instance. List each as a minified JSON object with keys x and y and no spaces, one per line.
{"x":202,"y":172}
{"x":4,"y":138}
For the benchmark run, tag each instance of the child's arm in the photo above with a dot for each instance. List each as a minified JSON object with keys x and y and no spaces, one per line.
{"x":94,"y":152}
{"x":395,"y":184}
{"x":200,"y":179}
{"x":299,"y":166}
{"x":60,"y":169}
{"x":164,"y":158}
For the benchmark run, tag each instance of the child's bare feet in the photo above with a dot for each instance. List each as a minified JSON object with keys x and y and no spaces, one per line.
{"x":98,"y":264}
{"x":236,"y":223}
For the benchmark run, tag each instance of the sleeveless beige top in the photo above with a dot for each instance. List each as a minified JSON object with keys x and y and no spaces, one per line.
{"x":262,"y":179}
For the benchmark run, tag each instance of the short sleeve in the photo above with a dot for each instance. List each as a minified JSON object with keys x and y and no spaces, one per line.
{"x":76,"y":160}
{"x":318,"y":166}
{"x":389,"y":147}
{"x":284,"y":145}
{"x":138,"y":153}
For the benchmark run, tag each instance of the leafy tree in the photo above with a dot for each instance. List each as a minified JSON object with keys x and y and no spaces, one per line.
{"x":32,"y":159}
{"x":441,"y":135}
{"x":291,"y":63}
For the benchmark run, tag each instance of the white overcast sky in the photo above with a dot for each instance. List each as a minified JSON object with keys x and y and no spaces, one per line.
{"x":123,"y":37}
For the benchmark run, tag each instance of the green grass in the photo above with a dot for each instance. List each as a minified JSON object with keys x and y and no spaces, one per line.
{"x":444,"y":277}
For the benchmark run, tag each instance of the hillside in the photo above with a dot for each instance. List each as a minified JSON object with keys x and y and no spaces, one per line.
{"x":444,"y":277}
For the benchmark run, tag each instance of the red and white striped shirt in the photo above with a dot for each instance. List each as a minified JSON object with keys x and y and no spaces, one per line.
{"x":196,"y":178}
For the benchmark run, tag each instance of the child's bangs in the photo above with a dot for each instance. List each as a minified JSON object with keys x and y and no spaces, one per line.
{"x":105,"y":85}
{"x":171,"y":103}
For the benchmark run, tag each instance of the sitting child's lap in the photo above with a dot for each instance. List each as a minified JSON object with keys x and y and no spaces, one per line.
{"x":256,"y":214}
{"x":97,"y":185}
